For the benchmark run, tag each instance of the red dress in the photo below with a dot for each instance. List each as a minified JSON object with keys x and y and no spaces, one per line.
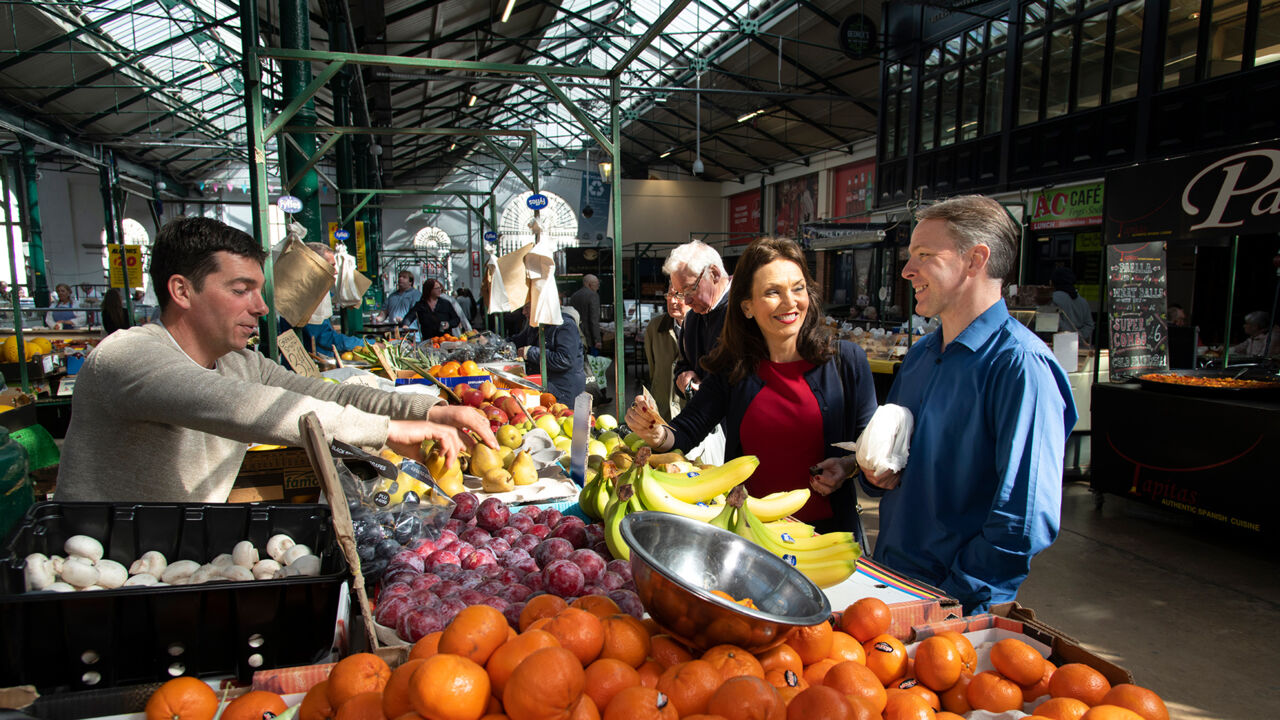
{"x":783,"y":427}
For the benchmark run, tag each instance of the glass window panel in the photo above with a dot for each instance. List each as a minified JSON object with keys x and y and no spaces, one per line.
{"x":904,"y":113}
{"x":1181,"y":30}
{"x":933,"y":60}
{"x":928,"y":112}
{"x":1058,"y":82}
{"x":973,"y":42}
{"x":891,"y":126}
{"x":1128,"y":49}
{"x":999,"y":32}
{"x":952,"y":52}
{"x":1268,"y":33}
{"x":993,"y":110}
{"x":971,"y":100}
{"x":1093,"y":50}
{"x":949,"y":96}
{"x":1029,"y":89}
{"x":1062,"y":9}
{"x":1033,"y":17}
{"x":1226,"y":37}
{"x":1091,"y":4}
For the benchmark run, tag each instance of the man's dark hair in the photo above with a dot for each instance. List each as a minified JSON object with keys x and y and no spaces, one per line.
{"x":186,"y":245}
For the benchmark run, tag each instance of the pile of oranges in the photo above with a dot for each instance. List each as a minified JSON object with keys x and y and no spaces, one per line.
{"x":454,"y":368}
{"x":435,"y":341}
{"x":587,"y":660}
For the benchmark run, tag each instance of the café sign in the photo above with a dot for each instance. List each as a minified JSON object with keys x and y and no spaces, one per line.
{"x":1073,"y":206}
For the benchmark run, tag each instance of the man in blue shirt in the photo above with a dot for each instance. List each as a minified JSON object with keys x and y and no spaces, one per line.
{"x":400,"y":302}
{"x":982,"y":490}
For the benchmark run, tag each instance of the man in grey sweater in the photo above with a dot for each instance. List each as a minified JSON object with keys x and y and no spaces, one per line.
{"x":587,"y":302}
{"x":166,"y":411}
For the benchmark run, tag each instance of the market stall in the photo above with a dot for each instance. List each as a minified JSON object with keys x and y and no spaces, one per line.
{"x":1201,"y":442}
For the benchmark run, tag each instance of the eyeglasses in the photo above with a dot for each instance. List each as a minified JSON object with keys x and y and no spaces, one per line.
{"x":681,"y":296}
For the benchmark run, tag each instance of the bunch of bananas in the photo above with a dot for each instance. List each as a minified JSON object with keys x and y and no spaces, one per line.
{"x":717,"y":496}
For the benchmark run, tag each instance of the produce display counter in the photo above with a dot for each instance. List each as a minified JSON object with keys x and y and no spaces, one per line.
{"x":90,"y":334}
{"x":1207,"y":453}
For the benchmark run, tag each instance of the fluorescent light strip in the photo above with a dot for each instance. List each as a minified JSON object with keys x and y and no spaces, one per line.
{"x":748,"y":116}
{"x":471,"y":102}
{"x":506,"y":14}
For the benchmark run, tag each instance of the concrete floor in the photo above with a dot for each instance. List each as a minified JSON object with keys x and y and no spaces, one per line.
{"x":1194,"y":614}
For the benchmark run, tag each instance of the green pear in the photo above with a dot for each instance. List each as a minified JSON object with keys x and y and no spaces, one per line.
{"x":484,"y":459}
{"x":522,"y":470}
{"x":510,"y":436}
{"x":496,"y":481}
{"x":606,"y":422}
{"x":595,"y":447}
{"x":549,"y":425}
{"x":563,"y":444}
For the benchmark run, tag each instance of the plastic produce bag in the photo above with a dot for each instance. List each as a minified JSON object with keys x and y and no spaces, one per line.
{"x":886,"y":441}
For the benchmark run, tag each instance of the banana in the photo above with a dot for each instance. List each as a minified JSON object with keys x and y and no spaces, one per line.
{"x":659,"y":459}
{"x":655,"y":497}
{"x":617,"y":509}
{"x":724,"y":520}
{"x":776,"y":506}
{"x":824,"y":565}
{"x":795,"y":528}
{"x":695,"y":488}
{"x":827,"y":574}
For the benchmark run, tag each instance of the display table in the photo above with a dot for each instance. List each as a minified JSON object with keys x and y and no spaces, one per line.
{"x":1209,"y":455}
{"x":90,"y":334}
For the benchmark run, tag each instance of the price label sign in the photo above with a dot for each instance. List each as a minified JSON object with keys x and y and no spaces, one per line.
{"x":296,"y":355}
{"x":126,"y":267}
{"x":289,"y":204}
{"x":490,"y":236}
{"x":342,"y":235}
{"x":536,"y":201}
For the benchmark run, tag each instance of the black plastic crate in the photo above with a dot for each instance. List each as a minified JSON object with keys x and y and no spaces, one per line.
{"x":125,"y":636}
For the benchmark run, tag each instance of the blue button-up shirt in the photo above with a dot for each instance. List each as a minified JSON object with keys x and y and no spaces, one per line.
{"x":982,"y":490}
{"x":400,"y":302}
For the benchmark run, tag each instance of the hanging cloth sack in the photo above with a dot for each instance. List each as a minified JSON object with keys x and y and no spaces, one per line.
{"x":302,"y":280}
{"x":351,"y":283}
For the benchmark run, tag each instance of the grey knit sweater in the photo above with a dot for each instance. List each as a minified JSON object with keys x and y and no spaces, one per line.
{"x":149,"y":424}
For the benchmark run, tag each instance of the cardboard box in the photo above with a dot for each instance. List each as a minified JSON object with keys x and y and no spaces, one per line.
{"x":275,"y":475}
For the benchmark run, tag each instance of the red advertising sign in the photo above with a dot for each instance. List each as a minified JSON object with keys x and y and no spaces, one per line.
{"x":852,"y":187}
{"x":475,"y":263}
{"x":795,"y":204}
{"x":744,"y":216}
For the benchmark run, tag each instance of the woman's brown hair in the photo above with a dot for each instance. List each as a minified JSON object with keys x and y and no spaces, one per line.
{"x":742,"y":346}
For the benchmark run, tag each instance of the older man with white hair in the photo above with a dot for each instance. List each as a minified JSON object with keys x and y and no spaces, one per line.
{"x":699,"y":279}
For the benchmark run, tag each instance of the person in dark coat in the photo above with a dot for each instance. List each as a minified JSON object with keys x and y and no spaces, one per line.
{"x":566,"y":375}
{"x":699,"y":280}
{"x":435,"y":315}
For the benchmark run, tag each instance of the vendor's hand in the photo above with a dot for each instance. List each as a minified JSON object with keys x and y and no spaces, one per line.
{"x":684,"y":378}
{"x":832,"y":474}
{"x":464,"y":417}
{"x":887,"y":480}
{"x":645,"y":422}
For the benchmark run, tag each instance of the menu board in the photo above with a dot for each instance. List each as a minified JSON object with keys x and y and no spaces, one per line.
{"x":1136,"y":302}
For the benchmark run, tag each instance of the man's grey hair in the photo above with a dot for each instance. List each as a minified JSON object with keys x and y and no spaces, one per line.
{"x":590,"y":281}
{"x":693,"y":256}
{"x":323,"y":250}
{"x":1257,"y":318}
{"x":976,"y":220}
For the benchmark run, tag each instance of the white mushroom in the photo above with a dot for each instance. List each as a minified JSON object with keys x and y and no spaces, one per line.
{"x":56,"y":562}
{"x":95,"y":586}
{"x":245,"y":554}
{"x":277,"y":546}
{"x":237,"y":573}
{"x":111,"y":574}
{"x":205,"y":574}
{"x":38,"y":572}
{"x":152,"y":562}
{"x":294,"y":553}
{"x":79,"y":572}
{"x":265,"y":569}
{"x":84,"y":546}
{"x":305,"y":565}
{"x":223,"y":561}
{"x":60,"y":587}
{"x":141,"y":580}
{"x":179,"y":571}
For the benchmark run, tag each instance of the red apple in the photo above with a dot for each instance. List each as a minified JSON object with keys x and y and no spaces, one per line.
{"x":558,"y":408}
{"x":495,"y":414}
{"x":471,"y":397}
{"x":537,"y":411}
{"x":488,"y":389}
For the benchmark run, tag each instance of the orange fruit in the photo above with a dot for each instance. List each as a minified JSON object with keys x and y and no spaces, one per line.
{"x":968,"y":656}
{"x":1138,"y":699}
{"x":599,"y":605}
{"x":846,"y":647}
{"x":813,"y":642}
{"x":315,"y":704}
{"x":689,"y":685}
{"x":1040,"y":687}
{"x":1079,"y":681}
{"x":948,"y":715}
{"x":858,"y":681}
{"x":365,"y":706}
{"x":732,"y":661}
{"x":1110,"y":712}
{"x":994,"y":692}
{"x":580,"y":632}
{"x":886,"y":656}
{"x":783,"y":679}
{"x":254,"y":705}
{"x":625,"y":638}
{"x":1063,"y":708}
{"x":816,"y":673}
{"x":510,"y":654}
{"x":395,"y":696}
{"x":355,"y":674}
{"x":956,"y":698}
{"x":649,"y":672}
{"x":866,"y":618}
{"x":182,"y":698}
{"x":667,"y":651}
{"x":640,"y":703}
{"x":585,"y":709}
{"x":474,"y":633}
{"x":915,"y":687}
{"x":938,"y":663}
{"x":469,"y":368}
{"x":450,"y":687}
{"x":1017,"y":661}
{"x":426,"y":646}
{"x":546,"y":685}
{"x":782,"y":657}
{"x":820,"y":701}
{"x":747,"y":697}
{"x":605,"y":677}
{"x":905,"y":705}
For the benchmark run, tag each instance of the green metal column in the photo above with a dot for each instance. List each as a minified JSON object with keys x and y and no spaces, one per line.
{"x":352,"y":318}
{"x":619,"y":328}
{"x":38,"y":281}
{"x":252,"y":72}
{"x":296,"y":149}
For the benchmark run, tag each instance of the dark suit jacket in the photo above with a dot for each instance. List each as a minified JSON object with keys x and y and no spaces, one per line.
{"x":701,"y":336}
{"x":433,"y":323}
{"x":565,"y":360}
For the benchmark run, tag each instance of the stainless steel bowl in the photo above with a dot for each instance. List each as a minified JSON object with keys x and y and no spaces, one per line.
{"x":677,"y":562}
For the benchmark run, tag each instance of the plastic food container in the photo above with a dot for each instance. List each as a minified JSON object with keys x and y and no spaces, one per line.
{"x":108,"y":638}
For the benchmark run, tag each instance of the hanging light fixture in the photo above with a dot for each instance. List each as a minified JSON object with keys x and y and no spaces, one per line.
{"x":697,"y":162}
{"x":606,"y":170}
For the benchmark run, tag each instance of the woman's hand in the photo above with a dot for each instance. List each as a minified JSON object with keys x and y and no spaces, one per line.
{"x":406,"y":436}
{"x":465,"y":418}
{"x":887,"y":480}
{"x":832,"y":472}
{"x":645,"y":422}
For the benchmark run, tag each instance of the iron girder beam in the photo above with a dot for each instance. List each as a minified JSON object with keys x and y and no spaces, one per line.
{"x":311,"y":162}
{"x":464,"y":32}
{"x":302,"y":97}
{"x":494,"y":150}
{"x":778,"y":52}
{"x":427,"y":63}
{"x":72,"y":34}
{"x":649,"y":36}
{"x":195,"y":74}
{"x":683,"y":145}
{"x":788,"y":107}
{"x":586,"y":122}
